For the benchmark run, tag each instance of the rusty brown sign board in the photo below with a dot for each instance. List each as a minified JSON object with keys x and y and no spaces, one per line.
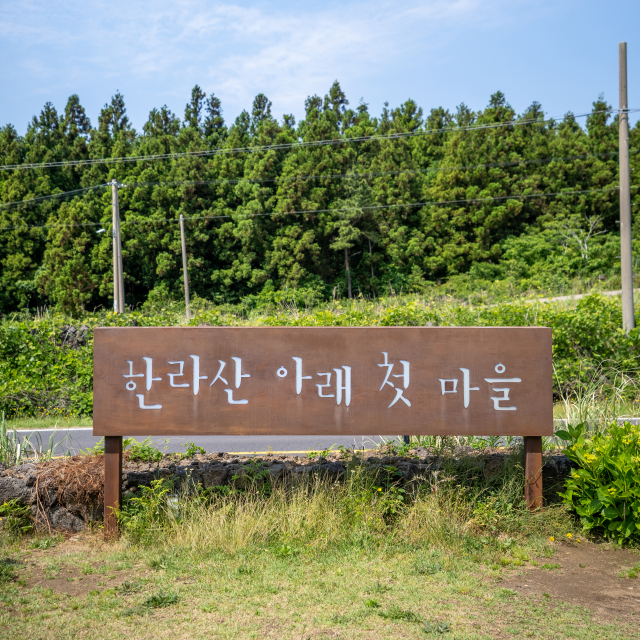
{"x":322,"y":380}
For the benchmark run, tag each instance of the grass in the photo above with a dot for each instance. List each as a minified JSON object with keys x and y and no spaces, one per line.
{"x":312,"y":595}
{"x":33,"y":423}
{"x":311,"y":559}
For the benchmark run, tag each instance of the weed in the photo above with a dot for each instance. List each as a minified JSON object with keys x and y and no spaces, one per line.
{"x":244,"y":570}
{"x":493,"y":441}
{"x":632,"y":573}
{"x":166,"y":562}
{"x":141,"y":517}
{"x":283,"y":551}
{"x":192,"y":450}
{"x":97,"y":450}
{"x":16,"y":518}
{"x":160,"y":599}
{"x":45,"y":543}
{"x":253,"y":476}
{"x":10,"y":447}
{"x":87,"y":569}
{"x":129,"y":586}
{"x":394,"y":612}
{"x":325,"y":453}
{"x":550,"y":566}
{"x":379,"y":588}
{"x":436,"y":628}
{"x":7,"y":573}
{"x":372,"y":604}
{"x":141,"y":451}
{"x":428,"y":568}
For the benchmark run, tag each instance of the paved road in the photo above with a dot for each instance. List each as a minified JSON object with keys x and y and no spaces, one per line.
{"x":74,"y":440}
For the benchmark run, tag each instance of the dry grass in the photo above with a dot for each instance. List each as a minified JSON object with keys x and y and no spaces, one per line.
{"x":78,"y":480}
{"x":318,"y":515}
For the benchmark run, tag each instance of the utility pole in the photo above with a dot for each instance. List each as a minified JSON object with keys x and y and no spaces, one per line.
{"x":118,"y":278}
{"x":185,"y":273}
{"x":626,"y":259}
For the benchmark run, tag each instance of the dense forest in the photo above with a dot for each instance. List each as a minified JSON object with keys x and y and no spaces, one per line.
{"x":360,"y":217}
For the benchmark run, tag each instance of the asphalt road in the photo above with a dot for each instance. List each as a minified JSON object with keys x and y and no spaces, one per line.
{"x":70,"y":441}
{"x":74,"y":440}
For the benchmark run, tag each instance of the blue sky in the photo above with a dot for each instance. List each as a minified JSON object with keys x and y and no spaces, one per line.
{"x":562,"y":53}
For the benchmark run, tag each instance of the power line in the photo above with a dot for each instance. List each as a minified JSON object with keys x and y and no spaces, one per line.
{"x":291,"y":145}
{"x":330,"y":176}
{"x":487,"y":200}
{"x":374,"y":174}
{"x":53,"y":196}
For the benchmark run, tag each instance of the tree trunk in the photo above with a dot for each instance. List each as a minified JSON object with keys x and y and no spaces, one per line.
{"x":346,"y":264}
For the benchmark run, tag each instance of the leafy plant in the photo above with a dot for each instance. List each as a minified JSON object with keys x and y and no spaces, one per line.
{"x":10,"y":448}
{"x":632,"y":573}
{"x":7,"y":573}
{"x":141,"y":515}
{"x":192,"y":450}
{"x":129,"y":586}
{"x":493,"y":441}
{"x":165,"y":561}
{"x":605,"y":490}
{"x":394,"y":612}
{"x":45,"y":543}
{"x":325,"y":453}
{"x":436,"y":628}
{"x":428,"y":568}
{"x":97,"y":450}
{"x":16,"y":518}
{"x":143,"y":451}
{"x":161,"y":599}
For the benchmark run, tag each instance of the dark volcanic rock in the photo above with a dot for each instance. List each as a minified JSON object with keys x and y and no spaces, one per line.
{"x":14,"y":489}
{"x":217,"y":469}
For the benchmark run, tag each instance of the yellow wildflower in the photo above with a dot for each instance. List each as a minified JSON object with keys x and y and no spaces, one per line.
{"x":552,"y":539}
{"x":569,"y":535}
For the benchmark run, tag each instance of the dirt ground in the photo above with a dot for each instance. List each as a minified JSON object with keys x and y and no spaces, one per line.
{"x":588,"y":576}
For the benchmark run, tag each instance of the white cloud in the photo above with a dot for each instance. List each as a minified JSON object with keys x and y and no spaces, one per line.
{"x":234,"y":50}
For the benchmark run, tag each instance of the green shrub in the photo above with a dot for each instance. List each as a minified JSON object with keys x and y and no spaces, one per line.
{"x":605,"y":490}
{"x":42,"y":374}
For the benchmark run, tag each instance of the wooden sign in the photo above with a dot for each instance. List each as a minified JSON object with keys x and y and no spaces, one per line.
{"x":323,"y":380}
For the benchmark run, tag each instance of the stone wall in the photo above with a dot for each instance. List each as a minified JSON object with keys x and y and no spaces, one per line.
{"x":55,"y":510}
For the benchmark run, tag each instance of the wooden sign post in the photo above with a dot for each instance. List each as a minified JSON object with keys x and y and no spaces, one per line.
{"x":321,"y":381}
